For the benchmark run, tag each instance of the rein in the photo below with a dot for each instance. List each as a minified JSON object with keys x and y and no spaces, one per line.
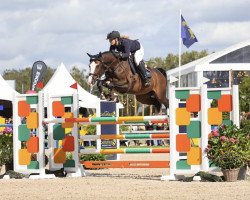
{"x":115,"y":68}
{"x":108,"y":66}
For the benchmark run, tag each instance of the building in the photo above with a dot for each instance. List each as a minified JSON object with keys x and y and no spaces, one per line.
{"x":220,"y":68}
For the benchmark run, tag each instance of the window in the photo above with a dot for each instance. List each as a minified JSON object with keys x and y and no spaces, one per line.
{"x":241,"y":55}
{"x":218,"y":79}
{"x":189,"y":80}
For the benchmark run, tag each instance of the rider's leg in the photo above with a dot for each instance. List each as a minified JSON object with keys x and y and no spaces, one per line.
{"x":144,"y":74}
{"x":141,"y":65}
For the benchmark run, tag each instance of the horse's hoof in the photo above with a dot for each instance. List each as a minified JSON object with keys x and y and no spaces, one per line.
{"x":116,"y":100}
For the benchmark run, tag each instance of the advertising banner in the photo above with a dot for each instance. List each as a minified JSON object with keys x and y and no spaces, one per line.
{"x":37,"y":74}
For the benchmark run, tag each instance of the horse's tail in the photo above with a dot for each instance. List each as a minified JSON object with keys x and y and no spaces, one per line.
{"x":162,"y":71}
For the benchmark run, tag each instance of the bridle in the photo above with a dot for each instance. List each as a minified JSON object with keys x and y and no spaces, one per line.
{"x":106,"y":67}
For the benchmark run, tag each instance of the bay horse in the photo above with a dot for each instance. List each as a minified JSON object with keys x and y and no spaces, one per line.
{"x":120,"y":77}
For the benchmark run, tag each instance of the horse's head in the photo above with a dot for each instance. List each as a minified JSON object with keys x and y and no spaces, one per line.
{"x":99,"y":63}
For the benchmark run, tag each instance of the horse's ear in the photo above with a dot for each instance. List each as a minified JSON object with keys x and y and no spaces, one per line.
{"x":100,"y":54}
{"x":90,"y":55}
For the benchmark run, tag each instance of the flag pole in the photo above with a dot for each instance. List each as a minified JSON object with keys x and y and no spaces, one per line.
{"x":180,"y":50}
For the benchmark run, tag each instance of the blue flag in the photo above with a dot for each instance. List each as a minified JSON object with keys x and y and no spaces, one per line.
{"x":187,"y":35}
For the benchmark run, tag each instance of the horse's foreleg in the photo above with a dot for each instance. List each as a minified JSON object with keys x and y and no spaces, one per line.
{"x":100,"y":89}
{"x":114,"y":95}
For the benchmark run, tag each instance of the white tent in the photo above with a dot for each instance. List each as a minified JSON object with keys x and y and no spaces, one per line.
{"x":60,"y":83}
{"x":6,"y":91}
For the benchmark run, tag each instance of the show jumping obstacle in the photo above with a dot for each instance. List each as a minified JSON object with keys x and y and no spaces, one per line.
{"x":29,"y":137}
{"x":192,"y":117}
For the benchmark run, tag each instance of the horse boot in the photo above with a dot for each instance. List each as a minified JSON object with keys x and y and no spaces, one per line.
{"x":143,"y":73}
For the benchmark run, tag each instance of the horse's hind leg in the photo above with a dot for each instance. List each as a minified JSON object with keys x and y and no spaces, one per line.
{"x":161,"y":97}
{"x":163,"y":100}
{"x":157,"y":105}
{"x":166,"y":103}
{"x":149,"y":100}
{"x":144,"y":98}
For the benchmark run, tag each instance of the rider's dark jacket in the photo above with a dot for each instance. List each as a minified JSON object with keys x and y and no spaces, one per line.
{"x":126,"y":46}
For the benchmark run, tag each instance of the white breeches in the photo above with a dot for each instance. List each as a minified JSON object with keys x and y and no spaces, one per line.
{"x":139,"y":55}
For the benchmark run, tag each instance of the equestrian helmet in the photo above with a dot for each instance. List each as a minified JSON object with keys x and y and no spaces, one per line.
{"x":113,"y":35}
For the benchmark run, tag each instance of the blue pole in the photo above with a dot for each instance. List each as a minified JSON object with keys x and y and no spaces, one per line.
{"x":6,"y":125}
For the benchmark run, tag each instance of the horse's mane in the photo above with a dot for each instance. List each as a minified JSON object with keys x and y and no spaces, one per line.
{"x":108,"y":52}
{"x":97,"y":56}
{"x":105,"y":52}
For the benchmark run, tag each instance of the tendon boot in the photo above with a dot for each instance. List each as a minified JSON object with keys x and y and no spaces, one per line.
{"x":143,"y":73}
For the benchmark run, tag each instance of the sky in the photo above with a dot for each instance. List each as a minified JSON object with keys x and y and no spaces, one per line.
{"x":57,"y":31}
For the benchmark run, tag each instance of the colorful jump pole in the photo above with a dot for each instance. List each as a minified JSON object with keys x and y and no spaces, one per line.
{"x":146,"y":132}
{"x":126,"y":136}
{"x":125,"y":164}
{"x":125,"y":151}
{"x":109,"y":120}
{"x":6,"y":125}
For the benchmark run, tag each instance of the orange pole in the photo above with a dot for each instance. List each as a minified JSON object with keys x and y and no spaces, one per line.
{"x":125,"y":164}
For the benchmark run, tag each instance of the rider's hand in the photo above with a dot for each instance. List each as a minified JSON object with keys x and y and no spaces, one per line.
{"x":117,"y":54}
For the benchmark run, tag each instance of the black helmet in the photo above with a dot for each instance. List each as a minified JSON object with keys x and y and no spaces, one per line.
{"x":112,"y":35}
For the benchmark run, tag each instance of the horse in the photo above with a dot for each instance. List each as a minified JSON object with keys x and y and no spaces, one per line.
{"x":120,"y":77}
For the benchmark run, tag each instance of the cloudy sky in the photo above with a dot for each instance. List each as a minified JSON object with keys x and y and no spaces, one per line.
{"x":58,"y":31}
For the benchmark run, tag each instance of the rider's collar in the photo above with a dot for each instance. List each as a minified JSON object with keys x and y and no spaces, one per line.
{"x":119,"y":41}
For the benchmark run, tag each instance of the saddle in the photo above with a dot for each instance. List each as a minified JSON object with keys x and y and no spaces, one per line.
{"x":134,"y":68}
{"x":131,"y":62}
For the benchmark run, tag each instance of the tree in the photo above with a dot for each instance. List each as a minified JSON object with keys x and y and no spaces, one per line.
{"x":172,"y":60}
{"x":23,"y":77}
{"x":79,"y":76}
{"x":188,"y":57}
{"x":244,"y":90}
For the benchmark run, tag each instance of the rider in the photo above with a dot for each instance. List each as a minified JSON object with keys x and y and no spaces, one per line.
{"x":126,"y":46}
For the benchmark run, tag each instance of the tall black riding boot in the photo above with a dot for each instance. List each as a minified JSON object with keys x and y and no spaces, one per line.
{"x":143,"y":73}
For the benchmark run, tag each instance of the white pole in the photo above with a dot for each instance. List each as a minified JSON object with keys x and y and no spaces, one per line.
{"x":235,"y":114}
{"x":180,"y":50}
{"x":205,"y":129}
